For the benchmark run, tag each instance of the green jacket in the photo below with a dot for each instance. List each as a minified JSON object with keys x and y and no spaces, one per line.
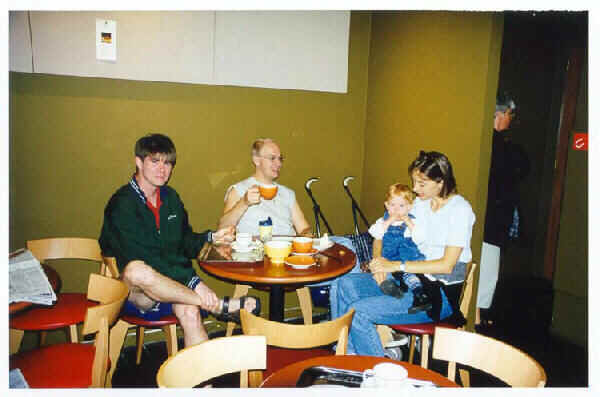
{"x":129,"y":233}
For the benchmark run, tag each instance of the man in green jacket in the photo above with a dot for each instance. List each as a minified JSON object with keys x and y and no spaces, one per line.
{"x":146,"y":228}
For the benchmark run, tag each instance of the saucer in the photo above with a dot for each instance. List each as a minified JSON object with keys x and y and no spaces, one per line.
{"x":300,"y":261}
{"x":242,"y":248}
{"x":312,"y":252}
{"x":317,"y":244}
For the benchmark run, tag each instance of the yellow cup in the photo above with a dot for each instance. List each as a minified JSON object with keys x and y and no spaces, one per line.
{"x":277,"y":251}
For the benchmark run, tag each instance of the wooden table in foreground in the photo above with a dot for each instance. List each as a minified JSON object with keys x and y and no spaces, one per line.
{"x":288,"y":376}
{"x":333,"y":262}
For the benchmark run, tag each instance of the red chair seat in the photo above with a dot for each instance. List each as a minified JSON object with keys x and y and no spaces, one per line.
{"x":420,"y":329}
{"x":66,"y":365}
{"x":278,"y":357}
{"x":161,"y":322}
{"x":69,"y":309}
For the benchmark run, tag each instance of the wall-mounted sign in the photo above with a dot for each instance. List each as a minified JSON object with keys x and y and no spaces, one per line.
{"x":580,"y":141}
{"x":106,"y":40}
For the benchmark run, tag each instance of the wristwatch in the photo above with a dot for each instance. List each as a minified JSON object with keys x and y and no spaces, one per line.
{"x":209,"y":236}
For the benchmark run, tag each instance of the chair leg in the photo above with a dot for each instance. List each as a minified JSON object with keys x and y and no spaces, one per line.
{"x":255,"y":378}
{"x":139,"y":344}
{"x":305,"y":304}
{"x":117,"y":338}
{"x":240,"y":290}
{"x":411,"y":350}
{"x":171,"y":337}
{"x":15,"y":338}
{"x":43,"y":335}
{"x":465,"y":377}
{"x":424,"y":350}
{"x":73,"y":335}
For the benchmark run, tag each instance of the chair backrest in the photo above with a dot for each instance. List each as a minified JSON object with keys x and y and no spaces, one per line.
{"x":299,"y":336}
{"x":196,"y":364}
{"x":110,"y":293}
{"x":507,"y":363}
{"x":467,"y":290}
{"x":109,"y":267}
{"x":65,"y":248}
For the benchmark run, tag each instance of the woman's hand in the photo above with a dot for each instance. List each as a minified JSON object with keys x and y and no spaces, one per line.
{"x":381,"y":264}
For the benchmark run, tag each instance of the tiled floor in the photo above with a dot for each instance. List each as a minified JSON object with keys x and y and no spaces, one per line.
{"x":566,"y":365}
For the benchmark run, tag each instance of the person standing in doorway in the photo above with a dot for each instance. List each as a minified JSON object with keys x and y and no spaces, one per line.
{"x":509,"y":166}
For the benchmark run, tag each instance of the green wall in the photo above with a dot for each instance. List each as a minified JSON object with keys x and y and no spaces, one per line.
{"x":71,"y":146}
{"x":432,"y":83}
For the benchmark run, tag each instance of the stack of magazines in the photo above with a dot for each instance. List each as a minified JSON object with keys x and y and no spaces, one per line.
{"x":27,"y":280}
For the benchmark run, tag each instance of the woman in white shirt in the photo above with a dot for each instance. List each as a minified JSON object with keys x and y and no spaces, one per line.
{"x":448,"y":221}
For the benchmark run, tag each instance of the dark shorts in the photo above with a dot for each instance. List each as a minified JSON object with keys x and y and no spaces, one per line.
{"x":160,"y":309}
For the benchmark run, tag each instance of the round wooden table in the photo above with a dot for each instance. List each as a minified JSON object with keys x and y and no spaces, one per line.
{"x":331,"y":263}
{"x":288,"y":376}
{"x":55,"y":283}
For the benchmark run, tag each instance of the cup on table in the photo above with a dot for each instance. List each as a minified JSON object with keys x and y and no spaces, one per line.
{"x":302,"y":245}
{"x":278,"y":250}
{"x":267,"y":191}
{"x":385,"y":375}
{"x":265,"y":232}
{"x":243,"y":239}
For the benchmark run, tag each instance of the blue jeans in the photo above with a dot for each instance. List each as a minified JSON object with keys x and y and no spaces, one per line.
{"x":361,"y":293}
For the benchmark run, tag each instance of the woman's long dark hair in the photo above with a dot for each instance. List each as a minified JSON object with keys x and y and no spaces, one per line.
{"x":437,"y":167}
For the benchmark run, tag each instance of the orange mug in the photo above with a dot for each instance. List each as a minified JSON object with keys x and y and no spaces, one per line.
{"x":267,"y":191}
{"x":302,"y":245}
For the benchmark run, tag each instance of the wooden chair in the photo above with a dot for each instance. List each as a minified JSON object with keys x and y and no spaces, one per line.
{"x":70,"y":308}
{"x":505,"y":362}
{"x":303,"y":298}
{"x":77,"y":365}
{"x":119,"y":332}
{"x":291,"y":336}
{"x":427,"y":329}
{"x":196,"y":364}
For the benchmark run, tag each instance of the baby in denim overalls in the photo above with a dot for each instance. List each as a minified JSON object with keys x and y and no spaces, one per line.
{"x":399,"y":236}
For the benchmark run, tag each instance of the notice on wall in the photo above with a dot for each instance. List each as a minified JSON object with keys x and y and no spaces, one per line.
{"x":106,"y":40}
{"x":580,"y":141}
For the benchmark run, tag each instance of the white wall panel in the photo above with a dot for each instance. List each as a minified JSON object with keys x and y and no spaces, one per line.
{"x":283,"y":49}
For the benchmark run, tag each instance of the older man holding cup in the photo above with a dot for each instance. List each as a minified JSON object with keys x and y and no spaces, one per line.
{"x":259,"y":197}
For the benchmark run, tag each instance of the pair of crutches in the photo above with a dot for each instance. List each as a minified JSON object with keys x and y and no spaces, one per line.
{"x":356,"y":211}
{"x":362,"y":241}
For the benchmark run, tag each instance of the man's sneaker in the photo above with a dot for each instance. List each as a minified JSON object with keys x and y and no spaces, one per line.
{"x":395,"y":353}
{"x":398,"y":340}
{"x":389,"y":287}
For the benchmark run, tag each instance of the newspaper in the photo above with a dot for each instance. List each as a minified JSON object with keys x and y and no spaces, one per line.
{"x":27,"y":280}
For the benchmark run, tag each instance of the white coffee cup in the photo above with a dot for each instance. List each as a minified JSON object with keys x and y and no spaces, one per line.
{"x":385,"y":375}
{"x":243,"y":239}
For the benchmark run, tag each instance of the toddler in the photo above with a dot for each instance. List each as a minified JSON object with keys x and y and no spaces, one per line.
{"x":399,"y":235}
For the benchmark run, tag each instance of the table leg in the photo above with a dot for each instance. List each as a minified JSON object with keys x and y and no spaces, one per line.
{"x":276,"y":301}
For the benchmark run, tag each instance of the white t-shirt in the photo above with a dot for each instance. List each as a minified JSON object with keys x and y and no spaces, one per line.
{"x":279,"y":208}
{"x":418,"y":233}
{"x":451,"y":225}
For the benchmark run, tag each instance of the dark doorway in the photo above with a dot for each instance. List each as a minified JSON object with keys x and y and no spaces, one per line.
{"x":535,"y":56}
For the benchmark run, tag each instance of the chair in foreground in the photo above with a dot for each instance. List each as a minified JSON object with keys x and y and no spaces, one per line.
{"x":427,"y":329}
{"x":497,"y":358}
{"x":196,"y":364}
{"x":291,"y":336}
{"x":77,"y":365}
{"x":119,"y":332}
{"x":70,"y":308}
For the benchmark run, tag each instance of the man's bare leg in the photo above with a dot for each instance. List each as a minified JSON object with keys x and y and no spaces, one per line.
{"x":147,"y":286}
{"x":191,"y":322}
